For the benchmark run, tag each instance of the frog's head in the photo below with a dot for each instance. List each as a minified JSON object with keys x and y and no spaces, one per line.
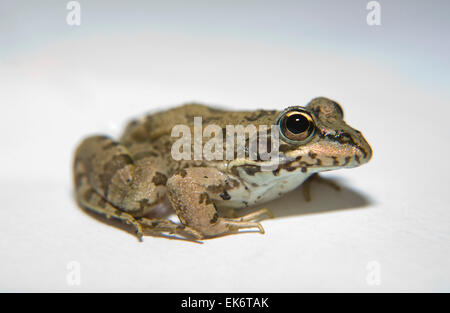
{"x":316,"y":137}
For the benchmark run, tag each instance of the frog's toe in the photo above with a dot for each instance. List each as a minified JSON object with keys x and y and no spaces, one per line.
{"x":190,"y":232}
{"x":235,"y":226}
{"x":247,"y":221}
{"x":255,"y":216}
{"x":167,"y":226}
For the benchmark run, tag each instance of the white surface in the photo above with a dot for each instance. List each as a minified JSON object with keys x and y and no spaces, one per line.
{"x":60,"y":83}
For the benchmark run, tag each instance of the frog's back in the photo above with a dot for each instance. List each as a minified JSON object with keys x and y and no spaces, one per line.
{"x":154,"y":127}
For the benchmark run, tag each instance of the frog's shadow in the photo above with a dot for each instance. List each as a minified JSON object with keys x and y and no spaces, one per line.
{"x":323,"y":199}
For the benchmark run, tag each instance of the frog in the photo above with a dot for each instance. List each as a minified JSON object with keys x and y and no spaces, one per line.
{"x":129,"y":177}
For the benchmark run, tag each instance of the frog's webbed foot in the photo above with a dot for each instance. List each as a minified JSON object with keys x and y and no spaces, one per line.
{"x":319,"y":179}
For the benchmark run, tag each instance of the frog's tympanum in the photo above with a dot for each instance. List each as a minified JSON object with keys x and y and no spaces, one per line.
{"x":127,"y":178}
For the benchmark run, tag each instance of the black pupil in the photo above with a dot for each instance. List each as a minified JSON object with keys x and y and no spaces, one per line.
{"x":297,"y":123}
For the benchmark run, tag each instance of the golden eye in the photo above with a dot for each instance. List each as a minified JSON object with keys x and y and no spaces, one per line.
{"x":296,"y":126}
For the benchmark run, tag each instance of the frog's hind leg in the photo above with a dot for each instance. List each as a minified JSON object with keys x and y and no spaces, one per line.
{"x":122,"y":182}
{"x":91,"y":200}
{"x":188,"y":192}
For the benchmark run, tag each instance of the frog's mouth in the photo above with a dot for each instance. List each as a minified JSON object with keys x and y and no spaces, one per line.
{"x":319,"y":157}
{"x":276,"y":162}
{"x":351,"y":148}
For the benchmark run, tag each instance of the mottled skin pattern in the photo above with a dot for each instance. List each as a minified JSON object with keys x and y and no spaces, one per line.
{"x":126,"y":179}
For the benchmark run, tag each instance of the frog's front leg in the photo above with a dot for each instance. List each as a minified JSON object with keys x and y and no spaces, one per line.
{"x":122,"y":182}
{"x":191,"y":192}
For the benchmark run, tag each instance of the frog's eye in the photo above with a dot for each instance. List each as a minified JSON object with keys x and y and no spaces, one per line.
{"x":296,"y":126}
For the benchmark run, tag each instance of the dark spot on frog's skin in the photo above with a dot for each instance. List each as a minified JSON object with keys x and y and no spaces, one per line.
{"x":101,"y":202}
{"x":214,"y":188}
{"x":312,"y":155}
{"x":159,"y":179}
{"x":102,"y":138}
{"x":335,"y":160}
{"x":133,"y":123}
{"x":88,"y":195}
{"x":245,"y":203}
{"x":181,"y":172}
{"x":285,"y":148}
{"x":210,"y":119}
{"x":318,"y":162}
{"x":345,"y":137}
{"x":204,"y":198}
{"x":251,"y":169}
{"x":205,"y":176}
{"x":144,"y":203}
{"x":215,"y":218}
{"x":316,"y":111}
{"x":214,"y":110}
{"x":144,"y":154}
{"x":292,"y":166}
{"x":79,"y":178}
{"x":255,"y":116}
{"x":357,"y":159}
{"x":117,"y":163}
{"x":298,"y":158}
{"x":138,"y":135}
{"x":234,"y":184}
{"x":225,"y":195}
{"x":110,"y":145}
{"x":347,"y":160}
{"x":78,"y":159}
